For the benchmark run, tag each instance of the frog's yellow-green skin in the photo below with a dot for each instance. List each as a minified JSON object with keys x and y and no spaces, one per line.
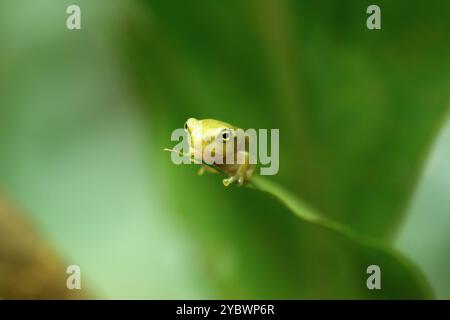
{"x":214,"y":133}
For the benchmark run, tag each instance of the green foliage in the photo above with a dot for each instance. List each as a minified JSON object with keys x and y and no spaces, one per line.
{"x":85,"y":115}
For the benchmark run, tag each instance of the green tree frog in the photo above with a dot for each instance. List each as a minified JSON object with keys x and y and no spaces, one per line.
{"x":209,"y":137}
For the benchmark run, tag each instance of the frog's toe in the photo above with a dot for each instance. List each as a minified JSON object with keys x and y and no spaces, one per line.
{"x":230,"y":180}
{"x":226,"y":182}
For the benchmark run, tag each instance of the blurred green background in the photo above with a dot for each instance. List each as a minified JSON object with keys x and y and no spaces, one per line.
{"x":84,"y":115}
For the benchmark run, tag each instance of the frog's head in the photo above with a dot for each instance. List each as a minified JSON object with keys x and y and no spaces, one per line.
{"x":208,"y":134}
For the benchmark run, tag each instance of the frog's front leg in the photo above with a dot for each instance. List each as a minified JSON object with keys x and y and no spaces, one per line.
{"x":241,"y":174}
{"x":205,"y":168}
{"x":201,"y":171}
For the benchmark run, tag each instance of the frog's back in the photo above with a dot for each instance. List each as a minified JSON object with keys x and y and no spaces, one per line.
{"x":213,"y":123}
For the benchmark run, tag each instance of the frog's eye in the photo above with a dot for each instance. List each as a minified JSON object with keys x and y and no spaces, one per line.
{"x":225,"y":135}
{"x":186,"y":126}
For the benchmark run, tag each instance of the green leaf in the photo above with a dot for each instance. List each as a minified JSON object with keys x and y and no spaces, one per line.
{"x":361,"y":244}
{"x":398,"y":272}
{"x":357,"y":111}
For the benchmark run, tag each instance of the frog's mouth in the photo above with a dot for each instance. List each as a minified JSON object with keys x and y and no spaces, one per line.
{"x":198,"y":144}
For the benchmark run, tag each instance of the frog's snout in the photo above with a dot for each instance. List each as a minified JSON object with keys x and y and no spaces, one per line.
{"x":190,"y":123}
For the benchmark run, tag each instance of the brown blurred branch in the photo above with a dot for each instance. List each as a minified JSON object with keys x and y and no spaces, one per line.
{"x":29,"y":268}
